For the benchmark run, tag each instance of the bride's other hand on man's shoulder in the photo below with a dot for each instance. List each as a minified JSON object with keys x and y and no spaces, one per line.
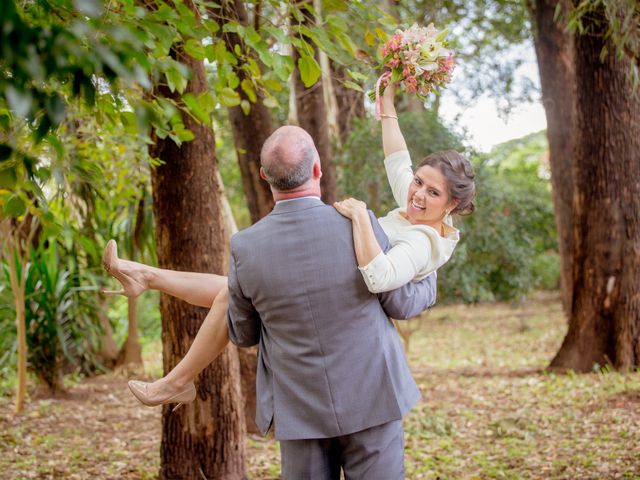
{"x":352,"y":208}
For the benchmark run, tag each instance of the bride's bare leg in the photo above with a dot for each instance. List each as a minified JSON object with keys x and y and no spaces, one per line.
{"x":195,"y":288}
{"x":202,"y":289}
{"x":211,"y":339}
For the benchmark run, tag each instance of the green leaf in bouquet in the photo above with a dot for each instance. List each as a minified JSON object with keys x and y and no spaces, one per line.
{"x":442,"y":35}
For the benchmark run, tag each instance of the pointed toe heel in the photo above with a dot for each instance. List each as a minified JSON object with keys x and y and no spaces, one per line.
{"x":131,"y":287}
{"x":140,"y":390}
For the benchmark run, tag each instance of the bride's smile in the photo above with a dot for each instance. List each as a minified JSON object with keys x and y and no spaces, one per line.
{"x":428,"y":197}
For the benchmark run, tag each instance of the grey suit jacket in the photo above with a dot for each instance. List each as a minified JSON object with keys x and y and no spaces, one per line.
{"x":330,"y":361}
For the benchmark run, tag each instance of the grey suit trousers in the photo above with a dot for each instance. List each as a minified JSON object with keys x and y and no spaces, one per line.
{"x":376,"y":453}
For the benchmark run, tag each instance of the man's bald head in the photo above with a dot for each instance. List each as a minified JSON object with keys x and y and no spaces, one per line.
{"x":287,"y":158}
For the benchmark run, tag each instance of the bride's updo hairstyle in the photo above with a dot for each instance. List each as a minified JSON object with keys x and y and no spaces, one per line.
{"x":458,"y":173}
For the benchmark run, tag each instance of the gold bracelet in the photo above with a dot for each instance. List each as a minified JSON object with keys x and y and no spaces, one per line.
{"x":384,"y":115}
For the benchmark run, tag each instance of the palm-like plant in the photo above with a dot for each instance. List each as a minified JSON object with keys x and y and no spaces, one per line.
{"x":62,"y":333}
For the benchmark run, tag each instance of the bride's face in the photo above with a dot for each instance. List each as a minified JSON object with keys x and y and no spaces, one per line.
{"x":428,"y":197}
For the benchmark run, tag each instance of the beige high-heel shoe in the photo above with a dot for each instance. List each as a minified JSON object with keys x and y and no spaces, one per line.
{"x":140,"y":391}
{"x":131,"y":287}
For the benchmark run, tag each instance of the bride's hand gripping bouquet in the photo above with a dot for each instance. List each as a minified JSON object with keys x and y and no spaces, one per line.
{"x":418,"y":59}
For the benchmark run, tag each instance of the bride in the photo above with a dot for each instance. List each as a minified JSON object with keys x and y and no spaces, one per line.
{"x":420,"y":230}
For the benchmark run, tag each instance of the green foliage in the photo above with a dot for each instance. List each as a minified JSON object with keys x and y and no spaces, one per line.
{"x":7,"y":326}
{"x":508,"y":246}
{"x":149,"y":324}
{"x":48,"y":47}
{"x":62,"y":331}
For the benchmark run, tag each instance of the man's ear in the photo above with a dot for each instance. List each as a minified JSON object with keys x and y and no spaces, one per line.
{"x":317,"y":170}
{"x":262,"y":174}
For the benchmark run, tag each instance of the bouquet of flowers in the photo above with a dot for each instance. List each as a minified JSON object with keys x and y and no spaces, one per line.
{"x":418,"y":58}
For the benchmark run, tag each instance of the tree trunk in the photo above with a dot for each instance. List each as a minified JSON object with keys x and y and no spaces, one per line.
{"x":108,"y":349}
{"x":350,"y":102}
{"x":131,"y":351}
{"x":250,"y":130}
{"x":18,"y":289}
{"x":312,"y":116}
{"x":205,"y":439}
{"x":17,"y":237}
{"x":604,"y":327}
{"x":554,"y":49}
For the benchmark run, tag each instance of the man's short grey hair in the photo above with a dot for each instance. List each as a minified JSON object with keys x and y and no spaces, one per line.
{"x":287,"y":160}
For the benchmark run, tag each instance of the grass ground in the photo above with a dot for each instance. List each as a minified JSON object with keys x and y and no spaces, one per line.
{"x":488,"y":411}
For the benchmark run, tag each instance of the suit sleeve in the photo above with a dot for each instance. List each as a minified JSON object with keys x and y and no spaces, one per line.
{"x":410,"y":299}
{"x":243,"y":319}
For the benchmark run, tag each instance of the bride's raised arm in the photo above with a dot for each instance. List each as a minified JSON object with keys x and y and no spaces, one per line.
{"x":397,"y":160}
{"x":392,"y":139}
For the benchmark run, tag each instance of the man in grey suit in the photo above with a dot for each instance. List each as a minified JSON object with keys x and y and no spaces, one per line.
{"x":332,"y":377}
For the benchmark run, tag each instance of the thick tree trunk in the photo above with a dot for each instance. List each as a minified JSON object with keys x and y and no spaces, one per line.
{"x":312,"y":116}
{"x":205,"y":439}
{"x":554,"y":49}
{"x":604,"y":327}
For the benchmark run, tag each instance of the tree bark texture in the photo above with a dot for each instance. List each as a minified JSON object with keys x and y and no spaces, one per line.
{"x":554,"y":49}
{"x":204,"y":439}
{"x":251,"y":130}
{"x":350,"y":102}
{"x":604,"y":327}
{"x":312,"y":116}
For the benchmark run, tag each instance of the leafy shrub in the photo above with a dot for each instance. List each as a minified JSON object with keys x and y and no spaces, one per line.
{"x":508,"y":246}
{"x":62,"y":329}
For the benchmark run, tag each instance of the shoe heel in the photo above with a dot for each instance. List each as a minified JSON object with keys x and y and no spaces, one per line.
{"x":176,"y":407}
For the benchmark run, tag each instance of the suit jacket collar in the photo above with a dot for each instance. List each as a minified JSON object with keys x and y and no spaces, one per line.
{"x":296,"y":204}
